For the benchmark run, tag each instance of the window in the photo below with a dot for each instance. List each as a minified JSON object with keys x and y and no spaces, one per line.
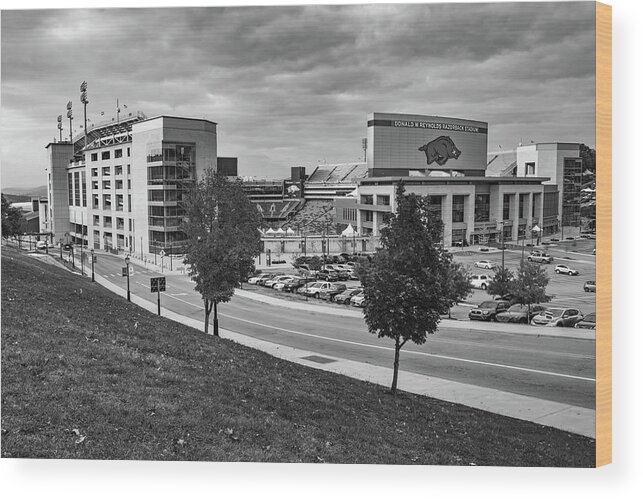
{"x":129,"y":170}
{"x":155,"y":195}
{"x":70,"y":188}
{"x":128,"y":155}
{"x":96,"y":220}
{"x":522,"y":205}
{"x":107,"y":184}
{"x":129,"y":202}
{"x":505,"y":206}
{"x":435,"y":205}
{"x":94,"y":172}
{"x":118,"y":184}
{"x":106,"y":170}
{"x":384,"y":200}
{"x":118,"y":153}
{"x":118,"y":170}
{"x":107,"y":202}
{"x":481,"y":209}
{"x":107,"y":221}
{"x":95,"y":201}
{"x":94,"y":156}
{"x":84,"y":185}
{"x":368,"y":216}
{"x":457,"y":210}
{"x":120,"y":223}
{"x":104,"y":155}
{"x":530,"y":168}
{"x":95,"y":185}
{"x":130,"y":225}
{"x":119,"y":202}
{"x":129,"y":184}
{"x":367,"y":199}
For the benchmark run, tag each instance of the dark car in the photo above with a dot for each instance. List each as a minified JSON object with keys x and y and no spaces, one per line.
{"x":590,"y":287}
{"x":522,"y":314}
{"x":296,"y":283}
{"x":345,"y":296}
{"x":67,"y":247}
{"x":327,"y":275}
{"x":332,"y":290}
{"x":488,"y":310}
{"x":587,"y":322}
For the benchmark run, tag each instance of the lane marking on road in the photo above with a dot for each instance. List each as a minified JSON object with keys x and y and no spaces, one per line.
{"x":446,"y":357}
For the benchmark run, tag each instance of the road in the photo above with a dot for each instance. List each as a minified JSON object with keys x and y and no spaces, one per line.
{"x":549,"y":368}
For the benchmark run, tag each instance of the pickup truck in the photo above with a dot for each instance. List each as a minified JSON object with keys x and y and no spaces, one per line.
{"x":540,"y":257}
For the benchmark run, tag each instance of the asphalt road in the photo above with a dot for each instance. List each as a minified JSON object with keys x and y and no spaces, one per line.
{"x":550,"y":368}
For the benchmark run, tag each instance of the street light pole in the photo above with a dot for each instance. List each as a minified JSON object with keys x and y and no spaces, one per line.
{"x":92,"y":251}
{"x":127,"y":272}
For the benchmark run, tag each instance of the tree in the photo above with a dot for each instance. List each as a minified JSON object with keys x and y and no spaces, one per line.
{"x":501,"y":283}
{"x":530,"y":284}
{"x":588,"y":156}
{"x":223,"y":240}
{"x":12,"y":220}
{"x":405,"y":283}
{"x":458,"y":284}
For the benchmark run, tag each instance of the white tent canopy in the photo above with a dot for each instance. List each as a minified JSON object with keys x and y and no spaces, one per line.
{"x":280,"y":231}
{"x":349,"y":231}
{"x":270,"y":231}
{"x":289,"y":231}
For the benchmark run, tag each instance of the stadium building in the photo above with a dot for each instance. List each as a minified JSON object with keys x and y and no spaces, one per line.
{"x":121,"y":187}
{"x":446,"y":159}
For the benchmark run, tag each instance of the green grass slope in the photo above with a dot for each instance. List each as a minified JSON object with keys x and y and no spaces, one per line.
{"x":87,"y":375}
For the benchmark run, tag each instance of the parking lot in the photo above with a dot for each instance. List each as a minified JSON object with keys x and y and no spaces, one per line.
{"x":565,"y":290}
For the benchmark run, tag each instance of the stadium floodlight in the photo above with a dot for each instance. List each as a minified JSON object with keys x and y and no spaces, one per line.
{"x":71,"y":117}
{"x":60,"y":126}
{"x":85,"y":101}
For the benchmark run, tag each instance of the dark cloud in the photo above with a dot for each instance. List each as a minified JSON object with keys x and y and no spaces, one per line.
{"x":294,"y":85}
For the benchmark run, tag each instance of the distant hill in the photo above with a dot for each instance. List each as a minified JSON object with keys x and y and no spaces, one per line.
{"x":25,"y":191}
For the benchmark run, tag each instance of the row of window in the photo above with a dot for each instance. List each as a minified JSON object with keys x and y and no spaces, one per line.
{"x":107,"y":202}
{"x":105,"y":155}
{"x":77,"y":189}
{"x":107,"y":184}
{"x":107,"y":222}
{"x":107,"y":170}
{"x":381,"y":200}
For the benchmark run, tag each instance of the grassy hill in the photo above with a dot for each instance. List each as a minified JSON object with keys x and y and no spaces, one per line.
{"x":87,"y":375}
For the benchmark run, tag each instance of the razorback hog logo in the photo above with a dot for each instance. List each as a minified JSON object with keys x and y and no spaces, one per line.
{"x":440,"y":150}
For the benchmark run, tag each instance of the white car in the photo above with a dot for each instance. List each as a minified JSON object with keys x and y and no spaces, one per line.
{"x":279,"y":285}
{"x":480,"y":281}
{"x":485,"y":264}
{"x":358,"y":299}
{"x":270,"y":283}
{"x":564,"y":269}
{"x":253,"y":280}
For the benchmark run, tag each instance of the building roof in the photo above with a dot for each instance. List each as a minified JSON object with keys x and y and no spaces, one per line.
{"x":453,"y":180}
{"x":339,"y":173}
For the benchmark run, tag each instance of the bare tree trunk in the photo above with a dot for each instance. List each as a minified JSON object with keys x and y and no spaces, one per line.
{"x":207,"y":309}
{"x":396,"y":365}
{"x":215,"y":329}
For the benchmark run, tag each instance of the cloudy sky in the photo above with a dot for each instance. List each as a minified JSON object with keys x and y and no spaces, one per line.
{"x":293,"y":85}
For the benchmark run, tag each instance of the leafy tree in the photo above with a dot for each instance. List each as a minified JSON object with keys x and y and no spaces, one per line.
{"x":12,"y":220}
{"x":501,"y":284}
{"x":588,"y":155}
{"x":457,"y":285}
{"x":405,"y":283}
{"x":530,"y":284}
{"x":222,"y":239}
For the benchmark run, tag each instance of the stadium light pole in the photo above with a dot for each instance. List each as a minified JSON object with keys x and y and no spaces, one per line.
{"x":83,"y":99}
{"x":70,"y":115}
{"x":60,"y":126}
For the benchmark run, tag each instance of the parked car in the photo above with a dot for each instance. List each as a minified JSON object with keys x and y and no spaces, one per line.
{"x":328,"y":275}
{"x":281,"y":282}
{"x":342,"y":274}
{"x":254,"y":279}
{"x":522,"y":314}
{"x":488,"y":310}
{"x":310,"y":288}
{"x":262,"y":280}
{"x":345,"y":296}
{"x":270,"y":283}
{"x":334,"y":289}
{"x":560,"y":317}
{"x":587,"y":322}
{"x":540,"y":257}
{"x":296,"y":283}
{"x":480,"y":281}
{"x":564,"y":269}
{"x":353,"y":276}
{"x":41,"y":245}
{"x":67,"y":247}
{"x":590,"y":286}
{"x":485,"y":264}
{"x":358,"y":300}
{"x":317,"y":288}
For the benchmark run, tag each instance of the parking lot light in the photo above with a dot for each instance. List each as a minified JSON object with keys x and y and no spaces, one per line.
{"x":127,"y":272}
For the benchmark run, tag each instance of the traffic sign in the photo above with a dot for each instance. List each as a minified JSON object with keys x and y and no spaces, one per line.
{"x":162,"y":253}
{"x":157,"y":284}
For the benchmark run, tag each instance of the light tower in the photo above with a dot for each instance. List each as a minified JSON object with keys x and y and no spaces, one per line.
{"x":83,"y":99}
{"x":71,"y":117}
{"x":60,"y":126}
